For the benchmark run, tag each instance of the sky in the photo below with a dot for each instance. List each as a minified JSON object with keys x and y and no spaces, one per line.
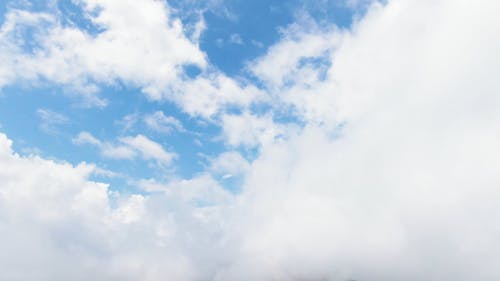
{"x":249,"y":140}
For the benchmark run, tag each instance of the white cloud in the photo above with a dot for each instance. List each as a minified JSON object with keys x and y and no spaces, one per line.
{"x":210,"y":95}
{"x":117,"y":151}
{"x":104,"y":173}
{"x":229,"y":164}
{"x":407,"y":190}
{"x":201,"y":190}
{"x":128,"y":122}
{"x":159,"y":122}
{"x":109,"y":150}
{"x":284,"y":62}
{"x":147,"y":50}
{"x":86,"y":138}
{"x":50,"y":120}
{"x":56,"y":224}
{"x":141,"y":44}
{"x":128,"y":148}
{"x":250,"y":130}
{"x":149,"y":149}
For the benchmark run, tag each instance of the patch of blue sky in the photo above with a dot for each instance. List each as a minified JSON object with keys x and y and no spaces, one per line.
{"x":73,"y":15}
{"x":320,"y":64}
{"x":3,"y":10}
{"x":66,"y":11}
{"x":232,"y":183}
{"x":26,"y":35}
{"x":192,"y":71}
{"x":105,"y":124}
{"x":231,"y":41}
{"x":31,"y":5}
{"x":336,"y":12}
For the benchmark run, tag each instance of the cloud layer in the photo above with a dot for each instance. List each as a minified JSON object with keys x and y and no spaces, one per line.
{"x":391,"y":174}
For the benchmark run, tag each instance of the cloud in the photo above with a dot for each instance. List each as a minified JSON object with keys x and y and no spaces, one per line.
{"x":128,"y":148}
{"x":149,"y":149}
{"x":56,"y":224}
{"x":287,"y":61}
{"x":257,"y":44}
{"x":229,"y":164}
{"x":117,"y":151}
{"x":128,"y":122}
{"x":109,"y":150}
{"x":210,"y":95}
{"x":86,"y":138}
{"x":405,"y":183}
{"x":201,"y":190}
{"x":159,"y":122}
{"x":393,"y":176}
{"x":235,"y":38}
{"x":249,"y":130}
{"x":147,"y":50}
{"x":50,"y":120}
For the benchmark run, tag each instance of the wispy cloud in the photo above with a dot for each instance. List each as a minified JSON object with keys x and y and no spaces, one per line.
{"x":50,"y":121}
{"x":159,"y":122}
{"x":235,"y":38}
{"x":128,"y":148}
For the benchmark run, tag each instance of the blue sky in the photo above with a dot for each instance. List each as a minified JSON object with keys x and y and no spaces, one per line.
{"x":232,"y":140}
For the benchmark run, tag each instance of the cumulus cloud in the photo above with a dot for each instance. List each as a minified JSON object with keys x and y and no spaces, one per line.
{"x":250,"y":130}
{"x":140,"y":44}
{"x":393,"y":177}
{"x":229,"y":164}
{"x":296,"y":56}
{"x":209,"y":95}
{"x":202,"y":190}
{"x":403,"y":189}
{"x":56,"y":224}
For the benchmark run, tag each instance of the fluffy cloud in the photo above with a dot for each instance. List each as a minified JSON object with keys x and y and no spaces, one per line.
{"x":210,"y":95}
{"x":140,"y":44}
{"x":405,"y":189}
{"x":56,"y":224}
{"x":297,"y":56}
{"x":249,"y":130}
{"x":201,"y":190}
{"x":229,"y":164}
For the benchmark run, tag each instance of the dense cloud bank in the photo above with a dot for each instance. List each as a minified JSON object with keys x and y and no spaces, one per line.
{"x":395,"y":175}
